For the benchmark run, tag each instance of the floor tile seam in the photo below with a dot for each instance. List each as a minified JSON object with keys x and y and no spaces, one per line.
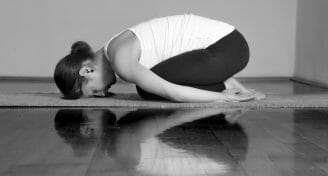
{"x":225,"y":146}
{"x":98,"y":144}
{"x":312,"y":142}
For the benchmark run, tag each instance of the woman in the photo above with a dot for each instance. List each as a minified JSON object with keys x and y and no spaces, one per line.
{"x":183,"y":58}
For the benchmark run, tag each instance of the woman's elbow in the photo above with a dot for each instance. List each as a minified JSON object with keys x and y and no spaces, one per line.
{"x":162,"y":95}
{"x":175,"y":98}
{"x":173,"y":94}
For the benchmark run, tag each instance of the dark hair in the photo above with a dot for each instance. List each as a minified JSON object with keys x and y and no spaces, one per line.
{"x":66,"y":73}
{"x":68,"y":123}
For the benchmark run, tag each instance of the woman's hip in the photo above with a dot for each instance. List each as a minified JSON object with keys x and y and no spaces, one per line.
{"x":232,"y":47}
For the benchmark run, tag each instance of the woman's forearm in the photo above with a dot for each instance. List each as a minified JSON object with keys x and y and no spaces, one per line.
{"x":189,"y":94}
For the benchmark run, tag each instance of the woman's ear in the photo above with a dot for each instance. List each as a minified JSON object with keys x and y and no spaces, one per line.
{"x":85,"y":71}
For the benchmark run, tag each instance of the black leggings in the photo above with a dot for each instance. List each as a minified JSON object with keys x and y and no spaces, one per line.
{"x":204,"y":68}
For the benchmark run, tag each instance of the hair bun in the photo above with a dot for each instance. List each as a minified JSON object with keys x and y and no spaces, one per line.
{"x":80,"y":47}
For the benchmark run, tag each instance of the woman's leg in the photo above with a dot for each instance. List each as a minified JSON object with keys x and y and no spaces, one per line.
{"x":204,"y":68}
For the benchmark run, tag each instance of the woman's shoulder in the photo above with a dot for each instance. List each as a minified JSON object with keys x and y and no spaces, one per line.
{"x":125,"y":42}
{"x":122,"y":51}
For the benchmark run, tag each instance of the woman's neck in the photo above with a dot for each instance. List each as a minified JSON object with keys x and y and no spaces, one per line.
{"x":100,"y":56}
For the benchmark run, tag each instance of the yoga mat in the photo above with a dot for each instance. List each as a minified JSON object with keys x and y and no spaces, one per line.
{"x":52,"y":99}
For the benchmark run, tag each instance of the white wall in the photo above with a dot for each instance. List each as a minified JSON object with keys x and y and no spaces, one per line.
{"x":312,"y":41}
{"x":35,"y":34}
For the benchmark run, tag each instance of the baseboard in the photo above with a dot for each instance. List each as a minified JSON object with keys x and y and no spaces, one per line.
{"x":25,"y":79}
{"x":272,"y":78}
{"x":309,"y":82}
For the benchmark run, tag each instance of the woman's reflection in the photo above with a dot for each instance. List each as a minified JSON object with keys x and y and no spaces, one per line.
{"x":155,"y":141}
{"x":82,"y":128}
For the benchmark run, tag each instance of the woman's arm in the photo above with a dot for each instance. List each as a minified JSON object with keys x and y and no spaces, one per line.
{"x":132,"y":71}
{"x":152,"y":83}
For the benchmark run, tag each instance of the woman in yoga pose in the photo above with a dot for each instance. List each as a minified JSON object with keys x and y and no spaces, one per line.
{"x":183,"y":58}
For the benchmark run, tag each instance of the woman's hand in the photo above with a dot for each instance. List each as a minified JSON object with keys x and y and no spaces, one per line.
{"x":232,"y":96}
{"x":234,"y":86}
{"x":237,"y":91}
{"x":258,"y":95}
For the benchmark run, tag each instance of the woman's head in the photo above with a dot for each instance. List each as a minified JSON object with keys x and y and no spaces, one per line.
{"x":83,"y":72}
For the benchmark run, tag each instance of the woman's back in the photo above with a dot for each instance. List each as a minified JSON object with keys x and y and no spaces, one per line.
{"x":162,"y":38}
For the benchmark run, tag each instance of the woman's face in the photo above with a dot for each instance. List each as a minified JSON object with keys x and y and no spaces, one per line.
{"x":92,"y":126}
{"x":100,"y":79}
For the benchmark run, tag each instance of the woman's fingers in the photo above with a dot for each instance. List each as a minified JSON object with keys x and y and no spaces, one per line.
{"x":258,"y":95}
{"x":246,"y":97}
{"x":240,"y":97}
{"x":236,"y":96}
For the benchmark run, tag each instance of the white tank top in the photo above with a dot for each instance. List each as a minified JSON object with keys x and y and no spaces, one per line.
{"x":162,"y":38}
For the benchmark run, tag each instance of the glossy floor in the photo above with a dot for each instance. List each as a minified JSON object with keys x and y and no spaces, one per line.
{"x":163,"y":142}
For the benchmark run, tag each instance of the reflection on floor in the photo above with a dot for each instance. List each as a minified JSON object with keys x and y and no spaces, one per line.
{"x":163,"y":142}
